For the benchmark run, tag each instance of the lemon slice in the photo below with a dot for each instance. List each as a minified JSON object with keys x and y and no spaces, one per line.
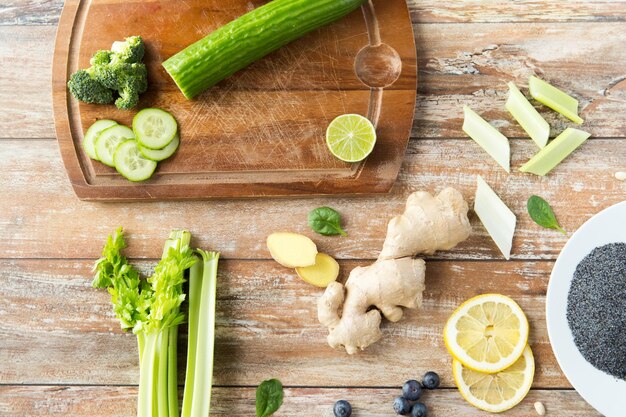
{"x":487,"y":333}
{"x":351,"y":137}
{"x":496,"y":392}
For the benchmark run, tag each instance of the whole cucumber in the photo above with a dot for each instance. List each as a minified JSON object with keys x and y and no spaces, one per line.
{"x":239,"y":43}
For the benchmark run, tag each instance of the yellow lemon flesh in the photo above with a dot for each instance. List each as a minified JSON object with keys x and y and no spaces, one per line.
{"x":496,"y":392}
{"x":487,"y":333}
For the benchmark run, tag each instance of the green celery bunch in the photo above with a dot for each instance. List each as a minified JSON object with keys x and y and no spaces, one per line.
{"x":151,"y":308}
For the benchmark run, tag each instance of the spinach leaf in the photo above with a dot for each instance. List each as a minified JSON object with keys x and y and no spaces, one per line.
{"x":542,"y":214}
{"x":326,"y":221}
{"x":269,"y":397}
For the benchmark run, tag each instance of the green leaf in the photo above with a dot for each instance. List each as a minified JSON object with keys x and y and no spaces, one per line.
{"x":326,"y":221}
{"x":542,"y":214}
{"x":269,"y":397}
{"x":129,"y":294}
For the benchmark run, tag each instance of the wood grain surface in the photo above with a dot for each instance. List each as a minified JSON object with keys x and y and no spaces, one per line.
{"x":62,"y":401}
{"x":61,"y":350}
{"x":580,"y":187}
{"x":259,"y":333}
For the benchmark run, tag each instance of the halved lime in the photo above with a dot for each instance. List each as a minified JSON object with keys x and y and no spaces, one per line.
{"x":351,"y":137}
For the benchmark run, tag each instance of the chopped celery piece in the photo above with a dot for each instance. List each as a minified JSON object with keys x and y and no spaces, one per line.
{"x":488,"y":137}
{"x":556,"y":151}
{"x":554,"y":98}
{"x":497,"y":218}
{"x":527,"y":116}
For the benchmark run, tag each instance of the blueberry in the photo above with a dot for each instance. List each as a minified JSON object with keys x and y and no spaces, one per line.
{"x":342,"y":408}
{"x":412,"y":390}
{"x":431,"y":380}
{"x":401,"y":406}
{"x":419,"y":410}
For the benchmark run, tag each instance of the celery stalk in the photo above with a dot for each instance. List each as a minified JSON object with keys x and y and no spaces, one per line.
{"x":172,"y":372}
{"x":488,"y":137}
{"x":145,"y":400}
{"x":527,"y":116}
{"x":161,"y":382}
{"x":205,"y":339}
{"x":497,"y":218}
{"x":140,"y":345}
{"x":554,"y":98}
{"x":195,"y":286}
{"x":555,"y":152}
{"x":151,"y":308}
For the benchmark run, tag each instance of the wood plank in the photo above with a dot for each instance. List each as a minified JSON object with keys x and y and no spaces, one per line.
{"x":492,"y":11}
{"x":266,"y":325}
{"x":25,"y":88}
{"x":455,"y":69}
{"x":31,"y":401}
{"x":30,"y":12}
{"x":67,"y":228}
{"x":46,"y":12}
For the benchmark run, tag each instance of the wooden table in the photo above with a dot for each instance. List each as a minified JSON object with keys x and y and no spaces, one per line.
{"x":61,"y":350}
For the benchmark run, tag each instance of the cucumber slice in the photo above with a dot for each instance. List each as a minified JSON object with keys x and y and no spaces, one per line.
{"x":161,"y":154}
{"x":154,"y":128}
{"x":131,"y":163}
{"x":89,"y":142}
{"x":107,"y":142}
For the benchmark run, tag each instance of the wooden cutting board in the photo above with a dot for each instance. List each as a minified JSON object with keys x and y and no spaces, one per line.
{"x":260,"y":132}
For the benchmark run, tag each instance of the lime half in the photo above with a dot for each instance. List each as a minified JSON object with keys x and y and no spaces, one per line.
{"x":351,"y":137}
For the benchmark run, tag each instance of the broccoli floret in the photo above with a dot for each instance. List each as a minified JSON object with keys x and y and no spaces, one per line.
{"x":115,"y":72}
{"x":130,"y":50}
{"x":134,"y":81}
{"x":101,"y":57}
{"x":88,"y":90}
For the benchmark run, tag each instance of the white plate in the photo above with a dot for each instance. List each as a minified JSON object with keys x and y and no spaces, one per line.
{"x":604,"y":392}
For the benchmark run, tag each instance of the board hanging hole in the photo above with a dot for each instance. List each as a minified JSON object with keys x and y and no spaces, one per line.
{"x":378,"y":65}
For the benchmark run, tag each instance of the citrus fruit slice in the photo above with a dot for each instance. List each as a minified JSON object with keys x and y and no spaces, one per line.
{"x":487,"y":333}
{"x":496,"y":392}
{"x":351,"y":137}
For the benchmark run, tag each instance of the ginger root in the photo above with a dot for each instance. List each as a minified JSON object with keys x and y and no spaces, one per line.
{"x":395,"y":280}
{"x":428,"y":224}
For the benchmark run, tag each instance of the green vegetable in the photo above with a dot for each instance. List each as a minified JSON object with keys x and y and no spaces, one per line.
{"x":239,"y":43}
{"x":542,"y":214}
{"x":555,"y":152}
{"x":89,"y":142}
{"x":115,"y":73}
{"x":527,"y":116}
{"x":161,"y":154}
{"x":154,"y":128}
{"x":85,"y":87}
{"x":129,"y":294}
{"x":108,"y":140}
{"x":554,"y":98}
{"x":269,"y":397}
{"x":488,"y":137}
{"x":326,"y":221}
{"x":131,"y":163}
{"x":201,"y":339}
{"x":495,"y":215}
{"x":151,"y":308}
